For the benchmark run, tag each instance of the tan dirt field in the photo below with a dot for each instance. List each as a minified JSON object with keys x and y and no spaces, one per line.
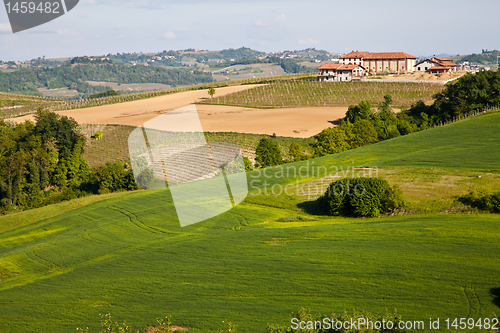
{"x":291,"y":122}
{"x":426,"y":76}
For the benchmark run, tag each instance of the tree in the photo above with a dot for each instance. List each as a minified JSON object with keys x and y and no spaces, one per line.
{"x":268,"y":153}
{"x":330,"y":141}
{"x":358,"y":112}
{"x":211,"y":92}
{"x":296,"y":153}
{"x":361,"y":133}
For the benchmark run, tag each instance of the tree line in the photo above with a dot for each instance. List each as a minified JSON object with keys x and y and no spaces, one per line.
{"x":41,"y":163}
{"x":75,"y":74}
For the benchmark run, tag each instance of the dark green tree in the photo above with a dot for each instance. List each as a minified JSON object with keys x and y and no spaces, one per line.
{"x":268,"y":153}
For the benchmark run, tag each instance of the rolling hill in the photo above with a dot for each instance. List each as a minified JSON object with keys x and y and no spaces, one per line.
{"x":257,"y":263}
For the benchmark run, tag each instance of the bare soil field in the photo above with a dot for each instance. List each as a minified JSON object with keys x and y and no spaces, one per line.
{"x":291,"y":122}
{"x":424,"y":76}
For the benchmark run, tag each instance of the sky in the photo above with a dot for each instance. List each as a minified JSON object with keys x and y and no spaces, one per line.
{"x":420,"y":28}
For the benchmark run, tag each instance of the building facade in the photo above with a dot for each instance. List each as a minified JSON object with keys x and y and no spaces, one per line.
{"x":339,"y":72}
{"x":381,"y":62}
{"x":437,"y":65}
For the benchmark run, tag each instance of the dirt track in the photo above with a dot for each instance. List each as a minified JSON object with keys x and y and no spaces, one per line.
{"x":293,"y":122}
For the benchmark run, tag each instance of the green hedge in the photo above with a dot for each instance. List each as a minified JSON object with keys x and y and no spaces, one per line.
{"x":485,"y":202}
{"x":368,"y":197}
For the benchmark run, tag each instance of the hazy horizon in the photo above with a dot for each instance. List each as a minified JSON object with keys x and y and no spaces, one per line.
{"x":97,"y":27}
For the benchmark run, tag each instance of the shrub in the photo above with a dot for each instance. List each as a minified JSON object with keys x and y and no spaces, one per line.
{"x":248,"y":164}
{"x":486,"y":202}
{"x":367,"y":197}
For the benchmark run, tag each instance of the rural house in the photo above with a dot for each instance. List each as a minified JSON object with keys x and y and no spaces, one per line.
{"x":339,"y":72}
{"x":380,"y":62}
{"x":436,"y":65}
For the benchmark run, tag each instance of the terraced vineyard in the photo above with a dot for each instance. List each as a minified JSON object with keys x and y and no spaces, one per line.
{"x":300,"y":93}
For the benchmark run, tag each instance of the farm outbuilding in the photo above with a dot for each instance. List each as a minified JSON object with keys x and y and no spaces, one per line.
{"x":339,"y":72}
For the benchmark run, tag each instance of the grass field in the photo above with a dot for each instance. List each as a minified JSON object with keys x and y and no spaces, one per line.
{"x":128,"y":256}
{"x":312,"y":93}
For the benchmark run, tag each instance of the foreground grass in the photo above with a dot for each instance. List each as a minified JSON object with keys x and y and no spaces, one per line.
{"x":312,"y":93}
{"x":21,"y":219}
{"x":129,"y":257}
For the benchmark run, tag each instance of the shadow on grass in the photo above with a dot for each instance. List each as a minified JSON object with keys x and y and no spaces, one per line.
{"x":335,"y":122}
{"x":313,"y":207}
{"x":496,"y":293}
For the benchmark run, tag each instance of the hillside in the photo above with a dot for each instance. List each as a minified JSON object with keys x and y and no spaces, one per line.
{"x":75,"y":74}
{"x":265,"y":258}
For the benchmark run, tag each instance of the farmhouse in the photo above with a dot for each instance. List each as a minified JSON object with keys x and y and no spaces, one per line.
{"x":436,"y":65}
{"x":339,"y":72}
{"x":380,"y":62}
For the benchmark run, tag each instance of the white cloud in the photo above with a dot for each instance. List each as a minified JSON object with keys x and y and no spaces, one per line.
{"x":260,"y":23}
{"x":169,"y":35}
{"x":5,"y":27}
{"x":280,"y":19}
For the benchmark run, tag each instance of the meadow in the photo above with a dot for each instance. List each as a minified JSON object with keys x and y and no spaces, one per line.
{"x":269,"y":256}
{"x":308,"y":93}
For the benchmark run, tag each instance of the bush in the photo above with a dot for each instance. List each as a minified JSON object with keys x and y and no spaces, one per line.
{"x":367,"y":197}
{"x":486,"y":202}
{"x":248,"y":164}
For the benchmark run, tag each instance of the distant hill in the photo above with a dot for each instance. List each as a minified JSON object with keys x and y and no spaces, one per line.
{"x":484,"y":58}
{"x":75,"y":74}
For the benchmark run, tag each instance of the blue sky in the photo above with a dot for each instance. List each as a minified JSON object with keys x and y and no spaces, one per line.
{"x":421,"y":28}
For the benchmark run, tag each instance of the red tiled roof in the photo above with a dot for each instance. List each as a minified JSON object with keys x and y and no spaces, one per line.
{"x":447,"y":64}
{"x":340,"y":67}
{"x":443,"y":59}
{"x":354,"y":55}
{"x":388,"y":55}
{"x":437,"y":68}
{"x":330,"y":66}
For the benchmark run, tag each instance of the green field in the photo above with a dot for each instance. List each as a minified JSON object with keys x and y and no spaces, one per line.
{"x":302,"y":93}
{"x":128,"y":256}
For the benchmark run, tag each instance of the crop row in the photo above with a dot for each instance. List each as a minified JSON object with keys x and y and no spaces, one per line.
{"x":297,"y":93}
